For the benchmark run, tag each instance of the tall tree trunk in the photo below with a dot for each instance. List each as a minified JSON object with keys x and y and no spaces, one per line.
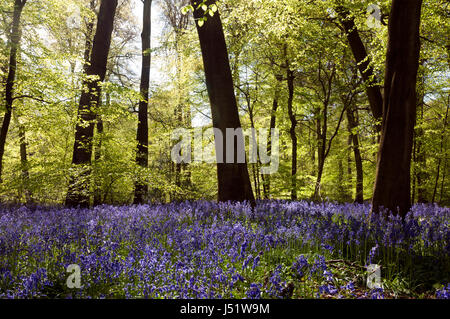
{"x":88,"y":38}
{"x":255,"y":166}
{"x":393,"y":178}
{"x":322,"y":126}
{"x":341,"y":190}
{"x":420,"y":171}
{"x":23,"y":159}
{"x":364,"y":63}
{"x":273,"y":118}
{"x":14,"y":43}
{"x":141,"y":187}
{"x":292,"y":131}
{"x":233,"y":178}
{"x":440,"y":157}
{"x":444,"y":176}
{"x":353,"y":123}
{"x":349,"y":164}
{"x":320,"y":165}
{"x":321,"y":148}
{"x":97,"y":159}
{"x":79,"y":183}
{"x":179,"y":107}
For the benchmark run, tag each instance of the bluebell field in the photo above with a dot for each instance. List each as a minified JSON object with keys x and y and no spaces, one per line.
{"x":205,"y":249}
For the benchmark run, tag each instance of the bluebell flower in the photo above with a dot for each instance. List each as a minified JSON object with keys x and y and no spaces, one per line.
{"x":443,"y":293}
{"x":254,"y":292}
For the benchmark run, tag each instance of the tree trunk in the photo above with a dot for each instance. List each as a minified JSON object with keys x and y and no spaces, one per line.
{"x":322,"y":127}
{"x":23,"y":159}
{"x":141,"y":187}
{"x":97,"y":159}
{"x":88,"y":39}
{"x":440,"y":157}
{"x":273,"y":118}
{"x":349,"y":165}
{"x":14,"y":43}
{"x":393,"y":178}
{"x":292,"y":131}
{"x":421,"y":174}
{"x":321,"y":148}
{"x":255,"y":166}
{"x":363,"y":60}
{"x":353,"y":123}
{"x":233,"y":178}
{"x":444,"y":176}
{"x":79,"y":183}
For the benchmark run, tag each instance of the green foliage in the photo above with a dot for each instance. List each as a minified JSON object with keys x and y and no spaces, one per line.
{"x":264,"y":38}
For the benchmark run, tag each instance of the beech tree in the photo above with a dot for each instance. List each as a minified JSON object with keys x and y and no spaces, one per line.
{"x":233,"y":178}
{"x":363,"y":61}
{"x":392,"y":185}
{"x":14,"y":43}
{"x":141,"y":188}
{"x":78,"y":192}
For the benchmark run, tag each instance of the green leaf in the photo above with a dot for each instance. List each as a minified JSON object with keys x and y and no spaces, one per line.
{"x":201,"y":22}
{"x":186,"y":9}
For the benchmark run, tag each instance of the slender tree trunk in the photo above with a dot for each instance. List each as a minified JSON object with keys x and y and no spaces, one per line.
{"x":141,"y":187}
{"x":14,"y":43}
{"x":292,"y":131}
{"x":312,"y":151}
{"x":364,"y":63}
{"x":444,"y":176}
{"x":440,"y":157}
{"x":79,"y":183}
{"x":273,"y":118}
{"x":341,"y":175}
{"x":23,"y":160}
{"x":349,"y":164}
{"x":353,"y":123}
{"x":179,"y":107}
{"x":393,"y":178}
{"x":255,"y":166}
{"x":421,"y":173}
{"x":97,"y":159}
{"x":321,"y":149}
{"x":233,"y":178}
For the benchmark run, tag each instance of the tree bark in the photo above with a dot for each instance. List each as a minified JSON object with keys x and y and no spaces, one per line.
{"x":364,"y":63}
{"x":321,"y":146}
{"x":273,"y":119}
{"x":14,"y":43}
{"x":440,"y":157}
{"x":322,"y":126}
{"x":420,"y":171}
{"x":353,"y":123}
{"x":141,"y":187}
{"x":97,"y":159}
{"x":393,"y":178}
{"x":88,"y":38}
{"x":23,"y":160}
{"x":79,"y":183}
{"x":292,"y":131}
{"x":233,"y":178}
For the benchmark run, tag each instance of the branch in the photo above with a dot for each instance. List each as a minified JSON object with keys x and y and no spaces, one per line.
{"x":31,"y":97}
{"x":337,"y":130}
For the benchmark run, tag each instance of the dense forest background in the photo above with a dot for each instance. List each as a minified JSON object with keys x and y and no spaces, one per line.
{"x":294,"y":68}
